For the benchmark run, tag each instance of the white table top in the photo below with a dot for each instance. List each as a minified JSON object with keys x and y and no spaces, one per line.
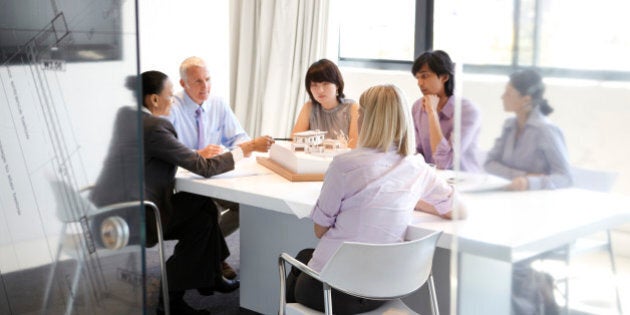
{"x":503,"y":225}
{"x":253,"y":184}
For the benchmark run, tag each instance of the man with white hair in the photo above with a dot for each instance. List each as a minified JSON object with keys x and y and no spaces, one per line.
{"x":203,"y":122}
{"x":207,"y":124}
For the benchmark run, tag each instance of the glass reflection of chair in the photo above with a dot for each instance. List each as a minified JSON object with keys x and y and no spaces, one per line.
{"x":74,"y":210}
{"x":371,"y":271}
{"x":595,"y":180}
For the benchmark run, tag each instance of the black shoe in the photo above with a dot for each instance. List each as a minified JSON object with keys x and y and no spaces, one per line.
{"x":227,"y":271}
{"x":180,"y":307}
{"x":226,"y":285}
{"x":222,"y":285}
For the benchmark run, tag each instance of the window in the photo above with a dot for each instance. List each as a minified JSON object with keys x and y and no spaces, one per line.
{"x":561,"y":38}
{"x":376,"y":23}
{"x":482,"y":37}
{"x":383,"y":34}
{"x":591,"y":37}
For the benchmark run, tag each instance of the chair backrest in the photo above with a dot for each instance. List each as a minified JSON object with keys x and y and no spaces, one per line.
{"x":71,"y":206}
{"x":481,"y":155}
{"x":593,"y":179}
{"x":381,"y":270}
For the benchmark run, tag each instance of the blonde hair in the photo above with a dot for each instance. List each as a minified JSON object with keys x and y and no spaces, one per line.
{"x":386,"y":120}
{"x":188,"y":63}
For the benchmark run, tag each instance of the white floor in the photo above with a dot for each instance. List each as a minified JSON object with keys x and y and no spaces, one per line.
{"x":592,"y":285}
{"x":597,"y":290}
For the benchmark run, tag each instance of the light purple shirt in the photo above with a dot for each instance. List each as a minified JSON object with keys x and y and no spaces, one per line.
{"x":369,"y":196}
{"x":540,"y":149}
{"x":443,"y":157}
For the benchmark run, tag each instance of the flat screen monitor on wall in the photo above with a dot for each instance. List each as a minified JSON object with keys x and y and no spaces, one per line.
{"x":67,"y":30}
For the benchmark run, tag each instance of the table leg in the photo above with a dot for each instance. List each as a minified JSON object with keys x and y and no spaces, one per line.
{"x":265,"y":234}
{"x":485,"y":285}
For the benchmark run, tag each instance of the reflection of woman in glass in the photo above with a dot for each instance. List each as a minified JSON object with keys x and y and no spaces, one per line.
{"x":531,"y":150}
{"x":369,"y":195}
{"x":327,"y":109}
{"x":433,"y":114}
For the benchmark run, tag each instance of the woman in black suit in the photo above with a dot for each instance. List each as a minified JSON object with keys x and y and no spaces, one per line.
{"x":189,"y":218}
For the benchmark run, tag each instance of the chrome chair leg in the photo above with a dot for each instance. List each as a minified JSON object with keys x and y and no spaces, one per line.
{"x":283,"y":286}
{"x":613,"y":267}
{"x":158,"y":223}
{"x":433,"y":295}
{"x":327,"y":299}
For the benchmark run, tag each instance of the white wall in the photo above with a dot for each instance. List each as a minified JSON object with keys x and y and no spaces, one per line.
{"x":65,"y":125}
{"x":86,"y":97}
{"x":171,"y":31}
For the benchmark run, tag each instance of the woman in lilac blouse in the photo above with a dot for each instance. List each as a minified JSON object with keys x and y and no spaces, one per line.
{"x":369,"y":194}
{"x":433,"y":114}
{"x":531,"y":150}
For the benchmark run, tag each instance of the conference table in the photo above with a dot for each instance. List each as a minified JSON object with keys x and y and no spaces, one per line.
{"x":501,"y":228}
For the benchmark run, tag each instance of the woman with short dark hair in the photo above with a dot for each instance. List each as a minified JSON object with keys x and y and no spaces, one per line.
{"x":328,"y":109}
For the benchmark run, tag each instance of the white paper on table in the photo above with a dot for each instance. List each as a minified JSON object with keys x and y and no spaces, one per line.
{"x":186,"y":173}
{"x":235,"y":173}
{"x":473,"y":182}
{"x":240,"y":172}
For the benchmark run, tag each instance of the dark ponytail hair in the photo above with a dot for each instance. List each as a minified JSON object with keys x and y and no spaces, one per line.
{"x":152,"y":83}
{"x":529,"y":82}
{"x":545,"y":108}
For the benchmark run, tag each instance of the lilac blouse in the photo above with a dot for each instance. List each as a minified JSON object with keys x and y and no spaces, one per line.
{"x":540,"y":149}
{"x":369,"y":196}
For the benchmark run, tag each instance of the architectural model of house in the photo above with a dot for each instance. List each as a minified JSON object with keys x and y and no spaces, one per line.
{"x":309,"y":141}
{"x":314,"y":142}
{"x":309,"y":153}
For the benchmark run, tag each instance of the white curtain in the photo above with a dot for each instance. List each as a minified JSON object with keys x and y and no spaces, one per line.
{"x":273,"y":42}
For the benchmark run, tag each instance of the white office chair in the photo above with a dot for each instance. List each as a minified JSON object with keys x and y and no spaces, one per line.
{"x":74,"y":208}
{"x":481,"y":155}
{"x":371,"y":271}
{"x":602,"y":181}
{"x":595,"y":180}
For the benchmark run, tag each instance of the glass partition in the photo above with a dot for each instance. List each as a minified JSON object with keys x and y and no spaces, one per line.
{"x":556,"y":236}
{"x":547,"y":218}
{"x":63,"y":66}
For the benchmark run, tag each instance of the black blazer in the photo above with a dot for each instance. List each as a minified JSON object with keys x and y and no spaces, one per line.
{"x":119,"y":180}
{"x":163,"y":153}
